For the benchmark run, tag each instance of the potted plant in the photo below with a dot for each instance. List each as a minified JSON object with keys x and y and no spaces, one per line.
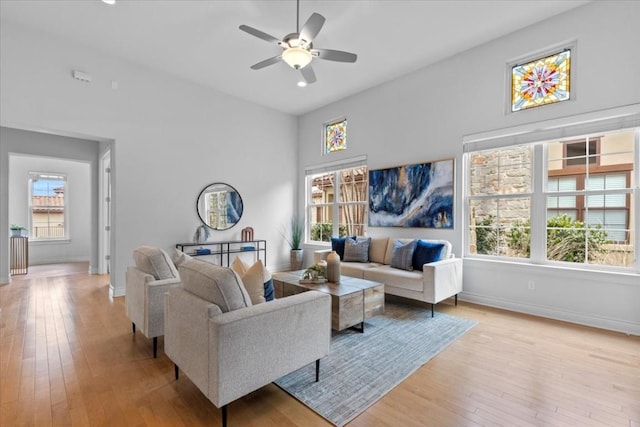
{"x":296,"y":232}
{"x":16,"y":230}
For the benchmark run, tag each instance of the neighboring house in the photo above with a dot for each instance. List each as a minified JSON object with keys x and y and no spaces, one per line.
{"x":47,"y":219}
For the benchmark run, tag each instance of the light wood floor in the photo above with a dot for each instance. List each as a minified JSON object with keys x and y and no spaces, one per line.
{"x":68,"y":358}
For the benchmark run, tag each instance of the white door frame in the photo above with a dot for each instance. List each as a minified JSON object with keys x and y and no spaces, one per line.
{"x":104,"y":220}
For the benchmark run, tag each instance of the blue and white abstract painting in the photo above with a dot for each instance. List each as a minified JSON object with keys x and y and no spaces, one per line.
{"x":419,"y":195}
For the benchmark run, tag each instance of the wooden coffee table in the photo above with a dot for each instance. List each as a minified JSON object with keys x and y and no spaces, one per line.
{"x":353,"y":300}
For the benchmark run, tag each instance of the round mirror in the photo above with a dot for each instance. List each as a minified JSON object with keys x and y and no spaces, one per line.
{"x":219,"y":206}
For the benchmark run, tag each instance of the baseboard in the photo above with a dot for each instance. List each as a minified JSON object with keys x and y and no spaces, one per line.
{"x":114,"y":293}
{"x":628,"y":328}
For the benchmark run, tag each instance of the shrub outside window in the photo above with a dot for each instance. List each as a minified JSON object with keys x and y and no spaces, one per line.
{"x":586,"y":198}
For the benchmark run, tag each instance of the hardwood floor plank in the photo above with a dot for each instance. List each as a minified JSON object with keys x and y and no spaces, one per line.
{"x":68,"y":358}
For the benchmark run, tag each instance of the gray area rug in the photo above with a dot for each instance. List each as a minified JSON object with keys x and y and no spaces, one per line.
{"x":361,"y":368}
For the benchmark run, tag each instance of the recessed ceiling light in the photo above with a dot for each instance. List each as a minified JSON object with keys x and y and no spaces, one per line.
{"x":302,"y":83}
{"x":109,"y":1}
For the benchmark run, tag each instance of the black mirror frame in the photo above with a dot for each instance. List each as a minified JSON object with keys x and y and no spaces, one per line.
{"x":230,"y":189}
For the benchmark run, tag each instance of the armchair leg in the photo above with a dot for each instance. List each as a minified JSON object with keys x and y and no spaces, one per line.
{"x":133,"y":327}
{"x":176,"y":371}
{"x":155,"y":347}
{"x":224,"y":416}
{"x":317,"y":370}
{"x":456,"y":299}
{"x":432,"y":310}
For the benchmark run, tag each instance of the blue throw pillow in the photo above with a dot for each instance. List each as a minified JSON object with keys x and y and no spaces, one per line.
{"x":426,"y":252}
{"x":402,"y":255}
{"x":337,"y":244}
{"x":269,"y":292}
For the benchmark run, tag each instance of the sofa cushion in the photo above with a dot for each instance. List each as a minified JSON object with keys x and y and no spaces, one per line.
{"x":155,"y":261}
{"x":377,"y":249}
{"x":393,"y":277}
{"x":426,"y":252}
{"x":402,"y":255}
{"x":355,"y":269}
{"x":357,"y":250}
{"x":337,"y":244}
{"x":219,"y":285}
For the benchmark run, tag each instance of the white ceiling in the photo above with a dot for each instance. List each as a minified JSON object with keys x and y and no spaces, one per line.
{"x":199,"y":40}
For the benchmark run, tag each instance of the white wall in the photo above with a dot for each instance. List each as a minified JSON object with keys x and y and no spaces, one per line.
{"x":170,"y":139}
{"x":425,"y":115}
{"x":79,"y":209}
{"x":20,"y":142}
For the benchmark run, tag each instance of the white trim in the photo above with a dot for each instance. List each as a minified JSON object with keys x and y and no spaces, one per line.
{"x":556,"y":314}
{"x":559,"y":128}
{"x":352,"y":162}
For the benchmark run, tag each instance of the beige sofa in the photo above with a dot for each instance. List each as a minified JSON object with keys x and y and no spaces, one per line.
{"x":229,"y":347}
{"x":437,"y":281}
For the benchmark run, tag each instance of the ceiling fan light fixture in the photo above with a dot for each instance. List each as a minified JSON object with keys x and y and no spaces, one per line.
{"x":297,"y":57}
{"x":109,"y":2}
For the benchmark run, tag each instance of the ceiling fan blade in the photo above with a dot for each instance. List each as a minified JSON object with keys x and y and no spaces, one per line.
{"x":312,"y":27}
{"x":335,"y":55}
{"x":259,"y":34}
{"x":308,"y":75}
{"x":266,"y":62}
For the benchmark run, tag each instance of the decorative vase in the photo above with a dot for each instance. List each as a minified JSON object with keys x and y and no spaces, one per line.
{"x":201,"y":235}
{"x":333,"y":267}
{"x":296,"y":259}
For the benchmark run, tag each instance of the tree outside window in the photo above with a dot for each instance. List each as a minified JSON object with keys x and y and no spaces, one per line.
{"x":337,"y":203}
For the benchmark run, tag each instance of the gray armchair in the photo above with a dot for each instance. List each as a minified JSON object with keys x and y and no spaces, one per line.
{"x":229,"y":347}
{"x":146,"y":284}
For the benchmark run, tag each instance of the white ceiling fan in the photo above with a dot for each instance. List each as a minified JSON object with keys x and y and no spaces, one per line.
{"x":298,"y":50}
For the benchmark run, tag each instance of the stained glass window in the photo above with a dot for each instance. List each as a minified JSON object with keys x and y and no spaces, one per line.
{"x":541,"y":82}
{"x":335,"y":136}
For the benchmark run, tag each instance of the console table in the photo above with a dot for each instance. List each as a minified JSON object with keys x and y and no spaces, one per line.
{"x":224,"y":249}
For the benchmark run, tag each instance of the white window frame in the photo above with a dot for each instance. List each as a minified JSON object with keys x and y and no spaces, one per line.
{"x":606,"y":121}
{"x":62,"y":177}
{"x":335,"y":168}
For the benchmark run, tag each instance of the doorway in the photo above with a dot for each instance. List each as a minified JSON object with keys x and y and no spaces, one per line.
{"x":104,"y":227}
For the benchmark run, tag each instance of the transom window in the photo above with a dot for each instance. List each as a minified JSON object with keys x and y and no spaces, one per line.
{"x":335,"y":136}
{"x":541,"y":81}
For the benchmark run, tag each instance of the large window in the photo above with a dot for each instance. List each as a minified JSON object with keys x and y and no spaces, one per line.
{"x":337,"y":203}
{"x":499,"y":198}
{"x":48,"y":202}
{"x":572,"y":199}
